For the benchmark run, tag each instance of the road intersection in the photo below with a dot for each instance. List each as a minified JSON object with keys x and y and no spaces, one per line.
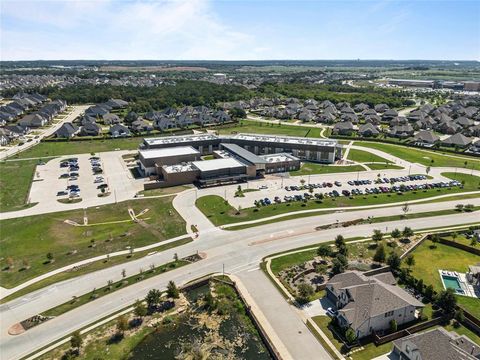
{"x":238,"y":252}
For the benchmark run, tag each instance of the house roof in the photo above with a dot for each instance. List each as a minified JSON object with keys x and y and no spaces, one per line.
{"x":368,"y":127}
{"x":369,"y":296}
{"x":426,"y":136}
{"x":437,"y":344}
{"x":457,"y":139}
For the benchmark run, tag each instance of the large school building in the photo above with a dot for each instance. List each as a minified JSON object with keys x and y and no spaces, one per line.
{"x":176,"y":160}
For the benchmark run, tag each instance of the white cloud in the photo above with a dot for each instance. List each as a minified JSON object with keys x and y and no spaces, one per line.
{"x":118,"y":30}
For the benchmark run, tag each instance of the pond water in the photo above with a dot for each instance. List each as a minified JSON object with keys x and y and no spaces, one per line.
{"x":232,"y":338}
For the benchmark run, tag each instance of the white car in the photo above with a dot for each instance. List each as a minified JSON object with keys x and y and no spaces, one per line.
{"x":98,"y":181}
{"x":332,"y":313}
{"x":263,"y":187}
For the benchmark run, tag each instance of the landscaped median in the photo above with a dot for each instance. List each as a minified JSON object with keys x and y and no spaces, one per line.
{"x":220,"y":212}
{"x":34,"y":245}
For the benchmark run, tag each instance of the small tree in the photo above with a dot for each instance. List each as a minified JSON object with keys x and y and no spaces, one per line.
{"x":10,"y":263}
{"x":473,"y":242}
{"x":394,"y":261}
{"x":50,"y":257}
{"x":350,"y":336}
{"x":175,"y":257}
{"x":380,"y":254}
{"x":122,"y":324}
{"x":429,"y":293}
{"x":172,"y":290}
{"x":109,"y":284}
{"x":447,"y":301}
{"x":419,"y":286}
{"x":407,"y":232}
{"x":124,"y":273}
{"x":341,"y":245}
{"x":435,"y":239}
{"x":427,"y":170}
{"x":26,"y":263}
{"x":459,"y":207}
{"x":405,"y":209}
{"x":76,"y":341}
{"x":153,"y":298}
{"x":324,"y":250}
{"x":140,"y":310}
{"x":393,"y":325}
{"x":395,"y":234}
{"x":459,"y":317}
{"x":454,"y":235}
{"x":304,"y":291}
{"x":339,"y":264}
{"x":377,"y":235}
{"x":410,"y":261}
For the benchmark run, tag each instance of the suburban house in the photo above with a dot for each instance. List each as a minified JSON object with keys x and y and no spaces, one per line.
{"x":90,"y":129}
{"x":67,"y":130}
{"x":368,"y":130}
{"x":425,"y":138}
{"x":401,"y":131}
{"x":368,"y":304}
{"x":119,"y":130}
{"x":343,"y":128}
{"x":33,"y":121}
{"x":457,"y":140}
{"x":436,"y":344}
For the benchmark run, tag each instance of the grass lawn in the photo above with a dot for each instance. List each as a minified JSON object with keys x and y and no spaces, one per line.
{"x":462,"y":330}
{"x":15,"y":180}
{"x":423,"y":157}
{"x":46,"y":149}
{"x":27,"y":240}
{"x":165,"y":191}
{"x":308,"y":168}
{"x":91,"y":267}
{"x":220,"y":213}
{"x":428,"y":261}
{"x":384,"y":166}
{"x":251,"y":126}
{"x":364,"y":156}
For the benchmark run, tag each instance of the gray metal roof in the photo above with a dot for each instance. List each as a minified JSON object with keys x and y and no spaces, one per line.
{"x":244,"y":154}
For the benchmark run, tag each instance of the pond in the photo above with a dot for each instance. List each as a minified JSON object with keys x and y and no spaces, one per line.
{"x":223,"y":333}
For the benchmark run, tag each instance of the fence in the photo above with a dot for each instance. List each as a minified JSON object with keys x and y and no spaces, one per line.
{"x":379,"y":340}
{"x":464,"y":247}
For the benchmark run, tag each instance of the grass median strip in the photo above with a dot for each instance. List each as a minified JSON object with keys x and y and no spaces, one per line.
{"x":112,"y":287}
{"x":94,"y":266}
{"x":221,"y":212}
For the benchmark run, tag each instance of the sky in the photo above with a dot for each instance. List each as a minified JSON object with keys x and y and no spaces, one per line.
{"x":239,"y":30}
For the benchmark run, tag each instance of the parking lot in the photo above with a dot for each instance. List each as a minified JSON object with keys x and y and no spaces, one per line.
{"x":74,"y":178}
{"x":276,"y":186}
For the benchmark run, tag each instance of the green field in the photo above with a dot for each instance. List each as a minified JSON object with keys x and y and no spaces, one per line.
{"x":27,"y":240}
{"x":429,"y":260}
{"x":220,"y":213}
{"x":423,"y":157}
{"x":251,"y":126}
{"x":15,"y":180}
{"x":50,"y":149}
{"x":365,"y":156}
{"x":313,"y":168}
{"x":383,"y":166}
